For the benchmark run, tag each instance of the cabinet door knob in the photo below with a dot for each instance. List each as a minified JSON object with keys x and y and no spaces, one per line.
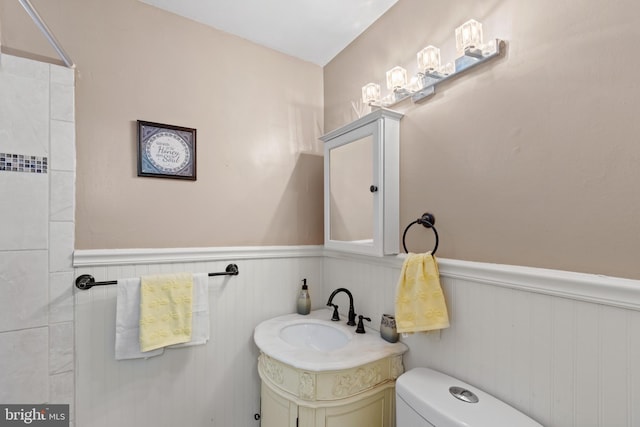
{"x":373,"y":188}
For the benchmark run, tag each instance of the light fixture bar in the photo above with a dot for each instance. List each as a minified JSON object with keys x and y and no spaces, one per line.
{"x":472,"y":58}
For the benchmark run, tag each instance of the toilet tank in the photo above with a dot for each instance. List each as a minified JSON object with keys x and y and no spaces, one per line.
{"x":425,"y":398}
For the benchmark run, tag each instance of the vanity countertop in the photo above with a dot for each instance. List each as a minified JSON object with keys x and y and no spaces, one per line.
{"x":360,"y":350}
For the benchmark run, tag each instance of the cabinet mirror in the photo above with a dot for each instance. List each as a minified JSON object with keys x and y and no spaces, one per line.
{"x":361,"y":185}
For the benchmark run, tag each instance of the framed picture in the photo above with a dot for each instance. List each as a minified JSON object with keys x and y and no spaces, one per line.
{"x":166,"y":151}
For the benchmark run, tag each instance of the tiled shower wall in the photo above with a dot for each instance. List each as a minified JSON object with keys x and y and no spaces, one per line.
{"x":37,"y":180}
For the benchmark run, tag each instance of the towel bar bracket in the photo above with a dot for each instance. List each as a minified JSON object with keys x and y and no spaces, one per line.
{"x":230,"y":270}
{"x":87,"y":281}
{"x":427,"y":220}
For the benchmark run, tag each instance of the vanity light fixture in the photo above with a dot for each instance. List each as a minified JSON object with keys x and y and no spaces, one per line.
{"x":429,"y":59}
{"x":397,"y":82}
{"x":429,"y":68}
{"x":471,"y":51}
{"x":371,"y":93}
{"x":468,"y":36}
{"x":396,"y":78}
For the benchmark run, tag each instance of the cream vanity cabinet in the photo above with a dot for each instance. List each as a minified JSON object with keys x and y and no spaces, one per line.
{"x":358,"y":397}
{"x":361,"y":185}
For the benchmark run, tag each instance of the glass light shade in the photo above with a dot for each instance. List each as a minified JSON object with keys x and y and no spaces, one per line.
{"x":429,"y":59}
{"x":415,"y":84}
{"x":490,"y":48}
{"x":370,"y":93}
{"x":468,"y":35}
{"x":448,"y":68}
{"x":396,"y":78}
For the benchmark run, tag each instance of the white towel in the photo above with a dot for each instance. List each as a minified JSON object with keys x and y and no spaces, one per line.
{"x":128,"y":322}
{"x":200,"y":330}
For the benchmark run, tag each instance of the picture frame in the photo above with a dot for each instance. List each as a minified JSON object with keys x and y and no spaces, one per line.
{"x":166,"y":151}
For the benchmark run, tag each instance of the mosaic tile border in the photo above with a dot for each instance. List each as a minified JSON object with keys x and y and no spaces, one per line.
{"x":21,"y":163}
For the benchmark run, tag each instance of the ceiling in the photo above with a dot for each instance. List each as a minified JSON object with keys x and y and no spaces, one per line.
{"x":312,"y":30}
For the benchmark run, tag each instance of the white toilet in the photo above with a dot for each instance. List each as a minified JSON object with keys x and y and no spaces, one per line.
{"x":428,"y":398}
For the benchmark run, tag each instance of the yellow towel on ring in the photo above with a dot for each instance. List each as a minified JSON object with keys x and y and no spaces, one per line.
{"x":420,"y":304}
{"x":166,"y":304}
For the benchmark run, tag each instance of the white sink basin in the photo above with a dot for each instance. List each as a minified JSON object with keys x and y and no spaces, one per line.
{"x":315,"y":336}
{"x":315,"y":343}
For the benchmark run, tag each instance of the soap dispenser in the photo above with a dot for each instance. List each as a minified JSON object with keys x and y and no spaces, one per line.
{"x":304,"y":302}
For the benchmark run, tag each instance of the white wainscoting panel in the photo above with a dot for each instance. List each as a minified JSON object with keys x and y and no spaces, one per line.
{"x":563,"y":348}
{"x":215,"y":384}
{"x":563,"y":353}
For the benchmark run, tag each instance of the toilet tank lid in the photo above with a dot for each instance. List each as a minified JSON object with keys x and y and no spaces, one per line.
{"x":427,"y":392}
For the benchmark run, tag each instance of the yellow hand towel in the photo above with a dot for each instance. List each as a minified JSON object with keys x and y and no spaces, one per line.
{"x":165,"y":310}
{"x":420,"y":304}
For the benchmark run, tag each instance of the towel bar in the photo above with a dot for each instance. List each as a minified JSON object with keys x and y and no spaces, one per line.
{"x":427,"y":220}
{"x":86,"y":281}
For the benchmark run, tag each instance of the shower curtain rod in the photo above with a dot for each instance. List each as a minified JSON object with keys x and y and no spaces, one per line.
{"x":47,"y":32}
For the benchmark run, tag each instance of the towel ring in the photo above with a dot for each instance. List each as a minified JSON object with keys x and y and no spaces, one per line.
{"x":427,"y":220}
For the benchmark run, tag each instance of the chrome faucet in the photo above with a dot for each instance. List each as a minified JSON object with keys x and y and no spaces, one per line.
{"x":352,"y":313}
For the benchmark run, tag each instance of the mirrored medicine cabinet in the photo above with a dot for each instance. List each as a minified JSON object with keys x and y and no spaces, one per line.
{"x":361,"y":185}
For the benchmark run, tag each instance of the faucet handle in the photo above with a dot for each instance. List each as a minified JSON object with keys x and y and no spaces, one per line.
{"x":336,"y":316}
{"x":360,"y":327}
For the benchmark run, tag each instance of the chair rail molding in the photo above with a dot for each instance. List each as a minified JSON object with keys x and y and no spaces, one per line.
{"x":97,"y":257}
{"x":599,"y":289}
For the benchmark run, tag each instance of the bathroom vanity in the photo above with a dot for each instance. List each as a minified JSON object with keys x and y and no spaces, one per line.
{"x":318,"y":373}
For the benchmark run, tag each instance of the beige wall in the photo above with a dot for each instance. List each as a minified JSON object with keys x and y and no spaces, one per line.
{"x":257,"y":112}
{"x":533,"y":159}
